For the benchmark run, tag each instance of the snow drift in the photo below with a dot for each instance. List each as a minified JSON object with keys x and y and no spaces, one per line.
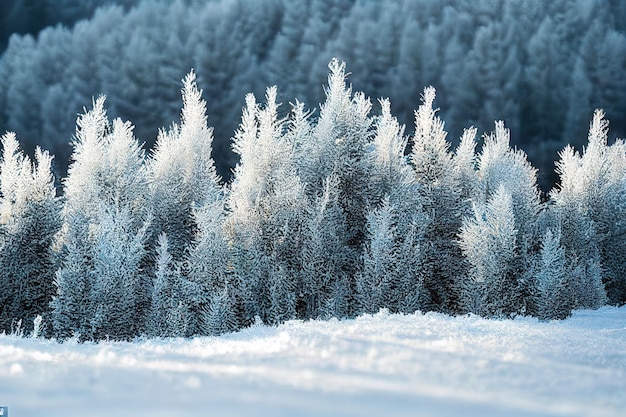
{"x":382,"y":364}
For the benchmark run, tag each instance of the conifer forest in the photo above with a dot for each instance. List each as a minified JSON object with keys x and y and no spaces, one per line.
{"x":329,"y":213}
{"x":349,"y":208}
{"x":405,"y":186}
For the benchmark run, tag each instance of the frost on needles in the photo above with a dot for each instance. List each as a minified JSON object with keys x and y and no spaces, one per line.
{"x":329,"y":214}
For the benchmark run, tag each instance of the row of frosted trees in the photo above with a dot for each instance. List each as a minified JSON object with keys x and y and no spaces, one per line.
{"x":328,"y":215}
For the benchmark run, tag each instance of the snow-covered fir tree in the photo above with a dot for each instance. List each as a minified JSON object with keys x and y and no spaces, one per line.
{"x":188,"y":203}
{"x":465,"y":163}
{"x":210,"y":291}
{"x":393,"y":257}
{"x":181,"y":172}
{"x":322,"y":289}
{"x":119,"y":288}
{"x":489,"y":240}
{"x":499,"y":164}
{"x":72,"y":306}
{"x":169,"y":314}
{"x":445,"y":182}
{"x":338,"y":149}
{"x":105,"y":221}
{"x":501,"y":167}
{"x":392,"y":272}
{"x":390,"y":173}
{"x":553,"y":280}
{"x":325,"y":278}
{"x":376,"y":283}
{"x":267,"y":205}
{"x":220,"y":317}
{"x":29,"y":219}
{"x":590,"y":202}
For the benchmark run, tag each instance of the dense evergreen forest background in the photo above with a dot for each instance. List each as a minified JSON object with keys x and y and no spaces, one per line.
{"x":543,"y":67}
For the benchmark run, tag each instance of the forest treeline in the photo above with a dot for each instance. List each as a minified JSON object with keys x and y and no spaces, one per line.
{"x":32,"y":16}
{"x":541,"y":66}
{"x":328,"y":214}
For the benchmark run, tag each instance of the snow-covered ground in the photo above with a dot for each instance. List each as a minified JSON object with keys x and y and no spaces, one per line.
{"x":381,"y":365}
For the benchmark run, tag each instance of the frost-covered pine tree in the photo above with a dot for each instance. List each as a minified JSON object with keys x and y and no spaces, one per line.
{"x":340,"y":140}
{"x":489,"y":241}
{"x":119,"y":288}
{"x":283,"y":292}
{"x":590,"y":202}
{"x":325,"y":277}
{"x":392,"y":273}
{"x":29,"y":219}
{"x":393,"y":268}
{"x":181,"y":172}
{"x":553,"y":279}
{"x":465,"y":163}
{"x":208,"y":296}
{"x":338,"y":149}
{"x":499,"y":164}
{"x":220,"y":317}
{"x":72,"y":305}
{"x":501,"y":167}
{"x":390,"y":173}
{"x":376,"y":282}
{"x":322,"y":289}
{"x":267,"y":205}
{"x":105,"y":220}
{"x":244,"y":223}
{"x":188,"y":203}
{"x":445,"y":181}
{"x":169,"y":315}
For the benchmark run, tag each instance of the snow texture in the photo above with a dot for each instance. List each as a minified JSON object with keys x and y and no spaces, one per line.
{"x":421,"y":364}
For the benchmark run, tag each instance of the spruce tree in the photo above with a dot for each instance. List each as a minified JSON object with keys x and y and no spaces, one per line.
{"x":267,"y":205}
{"x":444,"y":198}
{"x":489,"y":241}
{"x":119,"y":287}
{"x":500,"y":166}
{"x":181,"y":172}
{"x":72,"y":306}
{"x":553,"y":280}
{"x":589,"y":199}
{"x":338,"y":149}
{"x":378,"y":284}
{"x":220,"y":317}
{"x":324,"y":256}
{"x":188,"y":203}
{"x":103,"y":235}
{"x":210,"y":279}
{"x":29,"y":219}
{"x":393,"y":257}
{"x":169,"y":314}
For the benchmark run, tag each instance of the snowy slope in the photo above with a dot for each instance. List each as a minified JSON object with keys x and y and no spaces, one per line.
{"x":381,"y":365}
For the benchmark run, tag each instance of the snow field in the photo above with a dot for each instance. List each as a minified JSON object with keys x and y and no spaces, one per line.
{"x":422,"y":364}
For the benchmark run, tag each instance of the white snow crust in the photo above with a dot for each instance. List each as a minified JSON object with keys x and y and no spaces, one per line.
{"x":380,"y":365}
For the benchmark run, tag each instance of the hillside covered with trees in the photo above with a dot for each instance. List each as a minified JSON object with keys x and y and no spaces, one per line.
{"x":541,"y":66}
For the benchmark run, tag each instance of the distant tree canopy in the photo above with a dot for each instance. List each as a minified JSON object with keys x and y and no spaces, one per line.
{"x":31,"y":16}
{"x":540,"y":66}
